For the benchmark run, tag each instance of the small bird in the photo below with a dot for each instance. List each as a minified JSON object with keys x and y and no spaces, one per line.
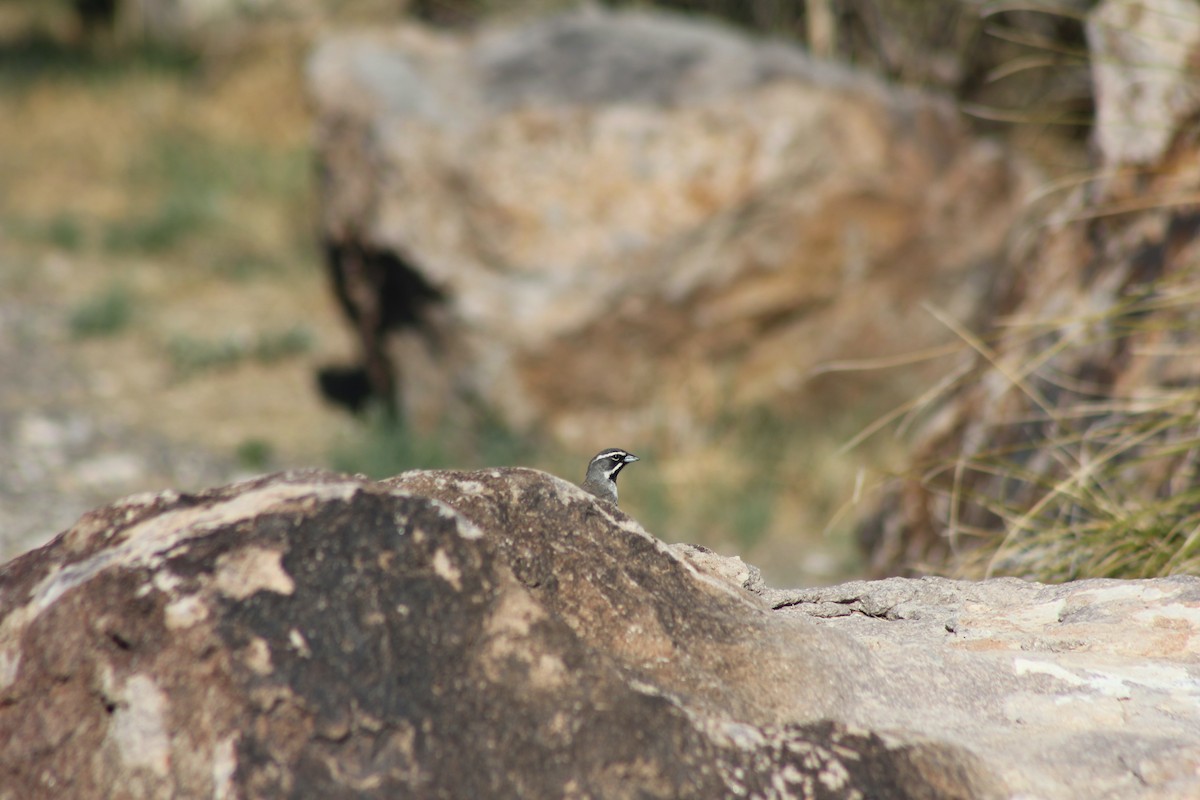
{"x":602,"y":472}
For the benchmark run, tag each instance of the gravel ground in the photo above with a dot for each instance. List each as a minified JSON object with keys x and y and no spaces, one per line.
{"x":59,"y":454}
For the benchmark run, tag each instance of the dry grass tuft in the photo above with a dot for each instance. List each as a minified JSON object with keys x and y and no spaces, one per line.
{"x":1066,"y":474}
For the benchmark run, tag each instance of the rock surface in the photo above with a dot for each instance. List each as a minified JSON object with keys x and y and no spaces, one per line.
{"x":634,"y":222}
{"x":1084,"y":689}
{"x":1143,"y":52}
{"x":501,"y":633}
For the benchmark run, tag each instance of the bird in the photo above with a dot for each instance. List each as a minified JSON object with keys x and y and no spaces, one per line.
{"x":602,"y":472}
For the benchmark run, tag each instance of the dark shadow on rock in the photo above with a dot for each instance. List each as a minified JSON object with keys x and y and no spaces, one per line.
{"x":380,"y":292}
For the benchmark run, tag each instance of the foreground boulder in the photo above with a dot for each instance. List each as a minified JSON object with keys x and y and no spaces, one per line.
{"x":516,"y":218}
{"x":502,"y":634}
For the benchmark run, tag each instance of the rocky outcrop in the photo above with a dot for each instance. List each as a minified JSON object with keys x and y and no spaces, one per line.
{"x":502,"y":633}
{"x":635,"y":222}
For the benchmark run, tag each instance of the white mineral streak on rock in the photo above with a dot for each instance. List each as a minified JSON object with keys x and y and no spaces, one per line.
{"x":224,"y":766}
{"x":138,"y":726}
{"x":446,"y":569}
{"x":185,"y":612}
{"x":247,"y":570}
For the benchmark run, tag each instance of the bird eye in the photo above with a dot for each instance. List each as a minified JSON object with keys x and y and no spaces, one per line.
{"x":616,"y":457}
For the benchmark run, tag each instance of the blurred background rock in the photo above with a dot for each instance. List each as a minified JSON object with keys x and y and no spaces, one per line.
{"x":241,"y":236}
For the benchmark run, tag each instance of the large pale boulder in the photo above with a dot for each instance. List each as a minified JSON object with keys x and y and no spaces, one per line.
{"x":503,"y":634}
{"x":635,"y":222}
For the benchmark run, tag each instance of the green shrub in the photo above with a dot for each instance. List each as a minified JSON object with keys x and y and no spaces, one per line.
{"x":387,"y":445}
{"x":255,"y":454}
{"x":106,"y":314}
{"x":189,"y":355}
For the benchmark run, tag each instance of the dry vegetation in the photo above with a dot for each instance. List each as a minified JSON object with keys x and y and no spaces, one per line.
{"x":1067,"y":477}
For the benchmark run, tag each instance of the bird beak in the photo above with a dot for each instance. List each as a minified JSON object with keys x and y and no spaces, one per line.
{"x":630,"y":458}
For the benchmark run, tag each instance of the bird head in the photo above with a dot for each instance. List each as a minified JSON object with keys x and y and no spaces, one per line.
{"x":607,"y":463}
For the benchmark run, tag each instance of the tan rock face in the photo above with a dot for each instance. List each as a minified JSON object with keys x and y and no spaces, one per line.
{"x":1052,"y":682}
{"x":634,"y":221}
{"x":1143,"y":57}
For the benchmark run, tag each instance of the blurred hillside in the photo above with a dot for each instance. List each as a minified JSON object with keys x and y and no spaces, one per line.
{"x":165,"y":307}
{"x":158,"y":276}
